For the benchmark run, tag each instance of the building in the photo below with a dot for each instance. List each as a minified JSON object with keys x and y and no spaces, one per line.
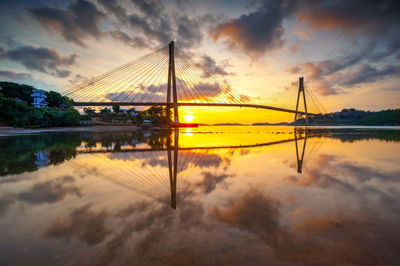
{"x":42,"y":158}
{"x":39,"y":98}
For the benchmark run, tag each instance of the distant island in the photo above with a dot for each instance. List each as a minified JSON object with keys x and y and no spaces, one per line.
{"x":229,"y":124}
{"x":271,"y":124}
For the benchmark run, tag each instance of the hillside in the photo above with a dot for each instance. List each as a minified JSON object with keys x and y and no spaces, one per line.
{"x":390,"y":117}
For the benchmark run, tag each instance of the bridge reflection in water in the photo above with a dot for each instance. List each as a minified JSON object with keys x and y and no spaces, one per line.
{"x":170,"y":161}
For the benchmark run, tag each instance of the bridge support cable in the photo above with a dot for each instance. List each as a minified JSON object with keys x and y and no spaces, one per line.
{"x":172,"y":77}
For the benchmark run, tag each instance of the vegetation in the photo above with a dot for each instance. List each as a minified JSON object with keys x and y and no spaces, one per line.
{"x":116,"y":108}
{"x":158,"y":116}
{"x":23,"y":151}
{"x":16,"y":108}
{"x":356,"y":117}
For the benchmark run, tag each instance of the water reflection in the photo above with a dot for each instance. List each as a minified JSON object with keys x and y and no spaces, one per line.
{"x":238,"y":196}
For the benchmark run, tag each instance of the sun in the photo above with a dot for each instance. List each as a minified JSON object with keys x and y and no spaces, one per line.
{"x":188,"y":118}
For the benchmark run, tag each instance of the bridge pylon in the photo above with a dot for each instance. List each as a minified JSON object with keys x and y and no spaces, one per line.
{"x":172,"y":85}
{"x":298,"y":157}
{"x":301,"y":90}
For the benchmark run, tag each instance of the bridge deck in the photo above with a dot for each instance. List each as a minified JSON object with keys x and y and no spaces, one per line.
{"x":190,"y":104}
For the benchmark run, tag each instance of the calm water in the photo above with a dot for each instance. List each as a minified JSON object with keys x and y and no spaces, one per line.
{"x":212,"y":195}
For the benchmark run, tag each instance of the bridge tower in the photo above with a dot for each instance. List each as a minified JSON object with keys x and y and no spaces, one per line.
{"x":172,"y":85}
{"x":173,"y":165}
{"x":301,"y":90}
{"x":300,"y":158}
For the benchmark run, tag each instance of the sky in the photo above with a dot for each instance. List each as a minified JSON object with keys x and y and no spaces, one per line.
{"x":347,"y":51}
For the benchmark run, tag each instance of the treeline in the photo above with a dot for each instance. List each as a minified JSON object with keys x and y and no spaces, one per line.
{"x":155,"y":114}
{"x":16,"y":108}
{"x":23,"y":151}
{"x":390,"y":117}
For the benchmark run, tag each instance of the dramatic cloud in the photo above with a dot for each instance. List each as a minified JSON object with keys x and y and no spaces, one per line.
{"x":154,"y":24}
{"x":79,"y":20}
{"x":371,"y":26}
{"x":42,"y":59}
{"x":367,"y":73}
{"x":4,"y":74}
{"x":329,"y":77}
{"x":376,"y":20}
{"x":257,"y":32}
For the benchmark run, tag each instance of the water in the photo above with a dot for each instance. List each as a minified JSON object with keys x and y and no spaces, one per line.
{"x":211,"y":195}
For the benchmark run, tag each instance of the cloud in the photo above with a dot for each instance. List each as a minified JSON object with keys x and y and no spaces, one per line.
{"x":133,"y":41}
{"x":83,"y":223}
{"x":154,"y":25}
{"x":6,"y":201}
{"x":78,"y":78}
{"x":50,"y":191}
{"x":210,"y":181}
{"x":367,"y":73}
{"x":253,"y":212}
{"x":257,"y":32}
{"x":372,"y":26}
{"x":4,"y":74}
{"x":42,"y":59}
{"x":185,"y":91}
{"x":114,"y":8}
{"x":376,"y":20}
{"x":328,"y":171}
{"x":45,"y":192}
{"x":330,"y":77}
{"x":210,"y":67}
{"x":79,"y":20}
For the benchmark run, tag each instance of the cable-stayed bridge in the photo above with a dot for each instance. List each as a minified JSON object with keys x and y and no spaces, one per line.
{"x":171,"y":77}
{"x":160,"y":170}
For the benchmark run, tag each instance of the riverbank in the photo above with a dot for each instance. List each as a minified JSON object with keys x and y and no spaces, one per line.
{"x":11,"y":131}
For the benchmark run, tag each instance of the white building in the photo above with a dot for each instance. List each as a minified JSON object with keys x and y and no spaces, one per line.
{"x":39,"y":98}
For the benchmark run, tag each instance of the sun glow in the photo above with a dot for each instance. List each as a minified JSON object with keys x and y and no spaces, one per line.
{"x":188,"y":118}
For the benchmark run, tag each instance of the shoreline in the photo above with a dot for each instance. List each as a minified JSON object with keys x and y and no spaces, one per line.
{"x":11,"y":131}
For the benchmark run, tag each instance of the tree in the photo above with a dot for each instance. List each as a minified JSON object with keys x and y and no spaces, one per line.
{"x":116,"y":108}
{"x":88,"y":110}
{"x":104,"y":110}
{"x":157,"y":115}
{"x":55,"y":99}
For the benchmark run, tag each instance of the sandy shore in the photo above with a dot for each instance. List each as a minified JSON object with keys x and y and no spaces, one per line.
{"x":10,"y":131}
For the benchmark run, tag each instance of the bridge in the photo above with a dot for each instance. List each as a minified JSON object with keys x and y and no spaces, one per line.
{"x":172,"y":78}
{"x":177,"y":164}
